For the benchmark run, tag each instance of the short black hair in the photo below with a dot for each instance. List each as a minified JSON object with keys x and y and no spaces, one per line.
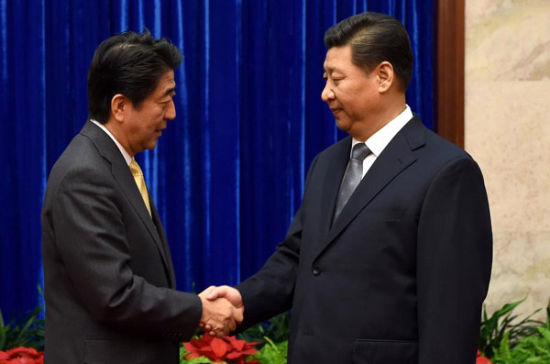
{"x":130,"y":64}
{"x":375,"y":38}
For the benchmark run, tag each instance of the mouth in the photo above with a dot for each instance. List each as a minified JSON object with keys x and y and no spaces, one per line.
{"x":335,"y":110}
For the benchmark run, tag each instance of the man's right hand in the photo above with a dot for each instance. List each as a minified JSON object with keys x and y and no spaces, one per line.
{"x":219,"y":315}
{"x":227,"y":292}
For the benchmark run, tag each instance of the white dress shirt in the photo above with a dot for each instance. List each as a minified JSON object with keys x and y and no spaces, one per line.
{"x":379,"y":140}
{"x":125,"y":154}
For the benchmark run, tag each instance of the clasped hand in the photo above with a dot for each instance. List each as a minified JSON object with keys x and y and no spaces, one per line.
{"x":222,"y":310}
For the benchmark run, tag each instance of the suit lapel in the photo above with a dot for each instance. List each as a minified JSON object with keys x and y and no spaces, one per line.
{"x":160,"y":230}
{"x":395,"y":158}
{"x":122,"y":174}
{"x":331,"y":182}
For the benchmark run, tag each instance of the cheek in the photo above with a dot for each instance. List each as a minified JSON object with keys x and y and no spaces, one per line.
{"x":346,"y":95}
{"x":346,"y":101}
{"x":159,"y":115}
{"x":154,"y":118}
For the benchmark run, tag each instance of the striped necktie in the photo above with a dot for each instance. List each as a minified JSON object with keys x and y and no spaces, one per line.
{"x":352,"y":176}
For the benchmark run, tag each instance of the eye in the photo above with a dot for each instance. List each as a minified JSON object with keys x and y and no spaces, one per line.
{"x":166,"y":101}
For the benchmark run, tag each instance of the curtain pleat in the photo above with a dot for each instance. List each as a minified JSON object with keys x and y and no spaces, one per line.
{"x":228,"y":174}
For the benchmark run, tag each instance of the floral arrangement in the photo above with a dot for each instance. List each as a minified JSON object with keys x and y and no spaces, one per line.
{"x":504,"y":339}
{"x":482,"y":359}
{"x":21,"y":355}
{"x":27,"y":332}
{"x":266,"y":342}
{"x":228,"y":350}
{"x":22,"y":340}
{"x":534,"y":349}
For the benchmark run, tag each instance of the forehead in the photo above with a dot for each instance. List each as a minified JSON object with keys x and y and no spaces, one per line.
{"x":338,"y":57}
{"x":166,"y":83}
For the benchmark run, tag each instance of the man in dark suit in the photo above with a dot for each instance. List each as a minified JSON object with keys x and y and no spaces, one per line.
{"x":388,"y":258}
{"x":109,"y":281}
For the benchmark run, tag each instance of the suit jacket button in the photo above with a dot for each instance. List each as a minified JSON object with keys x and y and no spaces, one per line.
{"x":316,"y":271}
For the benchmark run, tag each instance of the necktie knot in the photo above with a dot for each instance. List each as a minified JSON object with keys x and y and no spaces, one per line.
{"x":360,"y":151}
{"x":135,"y":169}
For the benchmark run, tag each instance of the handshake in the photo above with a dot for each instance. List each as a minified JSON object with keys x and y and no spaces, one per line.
{"x":222,"y":310}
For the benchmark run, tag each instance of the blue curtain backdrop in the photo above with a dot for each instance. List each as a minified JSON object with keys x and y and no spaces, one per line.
{"x":228,"y":174}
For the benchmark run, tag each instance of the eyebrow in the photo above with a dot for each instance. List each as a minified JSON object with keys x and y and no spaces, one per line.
{"x":327,"y":69}
{"x":169,"y":91}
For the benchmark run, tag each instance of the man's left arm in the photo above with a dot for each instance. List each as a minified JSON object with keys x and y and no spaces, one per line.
{"x":453,"y":263}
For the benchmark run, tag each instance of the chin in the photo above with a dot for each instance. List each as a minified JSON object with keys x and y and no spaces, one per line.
{"x":343,"y":125}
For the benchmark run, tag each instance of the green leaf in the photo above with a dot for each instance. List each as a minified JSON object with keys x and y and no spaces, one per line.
{"x":277,"y":328}
{"x":27,"y":332}
{"x":503,"y":323}
{"x":272,"y":353}
{"x":545,"y":333}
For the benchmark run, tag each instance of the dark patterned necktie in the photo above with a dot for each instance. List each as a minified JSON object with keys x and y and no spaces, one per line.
{"x":352,"y":176}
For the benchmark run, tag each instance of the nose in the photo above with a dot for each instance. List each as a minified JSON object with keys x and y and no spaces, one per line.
{"x":327,"y":94}
{"x":170,"y":113}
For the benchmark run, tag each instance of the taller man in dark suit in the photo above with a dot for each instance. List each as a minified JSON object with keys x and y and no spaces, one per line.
{"x":388,"y":259}
{"x":109,"y":281}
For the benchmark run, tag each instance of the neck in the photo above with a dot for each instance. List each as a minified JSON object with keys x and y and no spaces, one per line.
{"x":113,"y":128}
{"x":378,"y":120}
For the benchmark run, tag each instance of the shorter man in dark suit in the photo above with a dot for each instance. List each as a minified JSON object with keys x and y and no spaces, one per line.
{"x":388,"y":259}
{"x":109,"y":281}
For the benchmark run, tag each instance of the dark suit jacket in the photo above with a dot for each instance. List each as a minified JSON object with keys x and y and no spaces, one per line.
{"x":400,"y":276}
{"x":109,"y":281}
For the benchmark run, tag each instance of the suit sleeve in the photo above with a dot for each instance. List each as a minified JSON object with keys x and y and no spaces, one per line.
{"x":270,"y":291}
{"x":453,"y":264}
{"x":91,"y":241}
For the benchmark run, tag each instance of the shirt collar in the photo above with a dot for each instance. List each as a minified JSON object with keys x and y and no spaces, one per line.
{"x":379,"y":140}
{"x":125,"y":154}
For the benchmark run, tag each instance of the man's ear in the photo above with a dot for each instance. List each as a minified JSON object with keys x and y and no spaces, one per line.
{"x":385,"y":76}
{"x":119,"y":107}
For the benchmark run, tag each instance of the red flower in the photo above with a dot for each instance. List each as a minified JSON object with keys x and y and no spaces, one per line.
{"x":229,"y":349}
{"x":482,"y":359}
{"x":21,"y":355}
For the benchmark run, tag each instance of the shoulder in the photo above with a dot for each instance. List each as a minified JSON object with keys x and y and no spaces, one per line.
{"x":80,"y":154}
{"x":446,"y":153}
{"x":341,"y":147}
{"x":80,"y":164}
{"x":329,"y":157}
{"x":430,"y":148}
{"x":448,"y":163}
